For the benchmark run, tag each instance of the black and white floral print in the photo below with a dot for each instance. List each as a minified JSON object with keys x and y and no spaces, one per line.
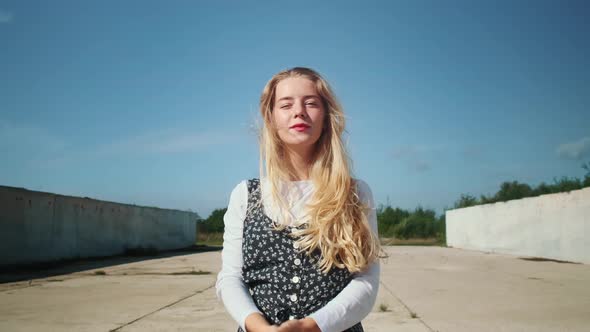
{"x":284,"y":282}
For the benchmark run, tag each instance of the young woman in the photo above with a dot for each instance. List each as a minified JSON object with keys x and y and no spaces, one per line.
{"x":300,"y":246}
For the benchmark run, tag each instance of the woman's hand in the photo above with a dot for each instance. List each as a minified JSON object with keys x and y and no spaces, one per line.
{"x":299,"y":325}
{"x":255,"y":322}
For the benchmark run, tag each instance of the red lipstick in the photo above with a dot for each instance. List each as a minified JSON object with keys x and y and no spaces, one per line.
{"x":300,"y":126}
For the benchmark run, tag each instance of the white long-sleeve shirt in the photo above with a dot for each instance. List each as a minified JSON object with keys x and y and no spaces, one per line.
{"x":349,"y":307}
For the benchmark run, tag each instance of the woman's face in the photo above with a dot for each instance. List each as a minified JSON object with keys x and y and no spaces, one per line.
{"x":298,"y":113}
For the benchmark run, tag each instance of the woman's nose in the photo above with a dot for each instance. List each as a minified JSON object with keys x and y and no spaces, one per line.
{"x":299,"y":109}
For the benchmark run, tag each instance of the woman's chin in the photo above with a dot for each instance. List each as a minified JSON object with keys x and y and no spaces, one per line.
{"x":299,"y":144}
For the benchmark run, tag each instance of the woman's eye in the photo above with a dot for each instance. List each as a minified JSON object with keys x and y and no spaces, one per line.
{"x":286,"y":106}
{"x":311,"y":104}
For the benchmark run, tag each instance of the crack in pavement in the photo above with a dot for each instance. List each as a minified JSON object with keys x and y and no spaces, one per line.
{"x":407,"y":308}
{"x":164,"y":307}
{"x":10,"y":286}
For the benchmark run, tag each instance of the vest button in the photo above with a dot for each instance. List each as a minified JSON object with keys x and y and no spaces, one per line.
{"x":294,"y":297}
{"x":297,"y":261}
{"x":295,"y":245}
{"x":295,"y":279}
{"x":291,"y":317}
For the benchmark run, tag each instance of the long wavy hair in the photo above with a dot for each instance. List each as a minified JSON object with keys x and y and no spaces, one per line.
{"x":337,"y":222}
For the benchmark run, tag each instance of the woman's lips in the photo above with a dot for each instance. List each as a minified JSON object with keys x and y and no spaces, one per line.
{"x":300,"y":127}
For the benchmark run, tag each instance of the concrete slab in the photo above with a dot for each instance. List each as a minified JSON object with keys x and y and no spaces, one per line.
{"x":423,"y":289}
{"x":93,"y":302}
{"x":460,"y":290}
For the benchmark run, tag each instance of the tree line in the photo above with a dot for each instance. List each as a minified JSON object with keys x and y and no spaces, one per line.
{"x":421,"y":223}
{"x":515,"y":190}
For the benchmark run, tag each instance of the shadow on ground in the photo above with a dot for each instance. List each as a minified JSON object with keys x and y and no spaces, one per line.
{"x":17,"y":273}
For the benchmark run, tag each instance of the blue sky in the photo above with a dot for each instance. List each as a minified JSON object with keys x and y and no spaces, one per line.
{"x":155,"y":103}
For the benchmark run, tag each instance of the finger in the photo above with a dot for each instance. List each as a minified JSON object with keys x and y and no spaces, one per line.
{"x":289,"y":326}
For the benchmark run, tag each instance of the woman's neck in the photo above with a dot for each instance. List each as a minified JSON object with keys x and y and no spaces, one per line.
{"x":300,"y":162}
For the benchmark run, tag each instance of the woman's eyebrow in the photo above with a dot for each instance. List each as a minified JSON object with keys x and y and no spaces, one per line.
{"x":285,"y":98}
{"x":304,"y":98}
{"x":311,"y":96}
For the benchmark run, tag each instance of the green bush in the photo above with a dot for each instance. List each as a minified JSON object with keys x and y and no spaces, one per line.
{"x":566,"y":184}
{"x":400,"y":223}
{"x":213,"y":223}
{"x":441,"y":231}
{"x":388,"y":218}
{"x":465,"y":200}
{"x":515,"y":190}
{"x":542,"y":189}
{"x":416,"y":226}
{"x":512,"y":190}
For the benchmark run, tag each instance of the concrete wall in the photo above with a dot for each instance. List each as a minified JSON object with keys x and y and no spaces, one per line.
{"x":555,"y":226}
{"x":40,"y":227}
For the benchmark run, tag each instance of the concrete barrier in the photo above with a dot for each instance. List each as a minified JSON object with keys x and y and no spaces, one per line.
{"x":42,"y":227}
{"x":555,"y":226}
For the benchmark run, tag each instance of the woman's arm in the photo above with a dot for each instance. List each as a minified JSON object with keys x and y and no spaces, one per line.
{"x":356,"y":300}
{"x":230,"y":286}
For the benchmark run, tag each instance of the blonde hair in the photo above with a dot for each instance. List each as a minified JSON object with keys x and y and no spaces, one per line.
{"x":337,"y":224}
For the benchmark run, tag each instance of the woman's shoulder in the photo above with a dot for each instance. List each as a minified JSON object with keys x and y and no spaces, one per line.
{"x":362,"y":185}
{"x":238,"y":203}
{"x":239,"y":193}
{"x":241,"y":184}
{"x":244,"y":184}
{"x":364,"y":191}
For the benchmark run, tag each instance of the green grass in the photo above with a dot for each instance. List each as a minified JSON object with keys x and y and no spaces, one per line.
{"x":209,"y":239}
{"x":411,"y":242}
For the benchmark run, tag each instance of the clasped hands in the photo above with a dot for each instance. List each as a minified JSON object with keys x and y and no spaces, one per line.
{"x":256,"y":323}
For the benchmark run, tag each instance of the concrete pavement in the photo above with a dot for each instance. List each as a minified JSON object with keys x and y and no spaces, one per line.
{"x":422,"y":289}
